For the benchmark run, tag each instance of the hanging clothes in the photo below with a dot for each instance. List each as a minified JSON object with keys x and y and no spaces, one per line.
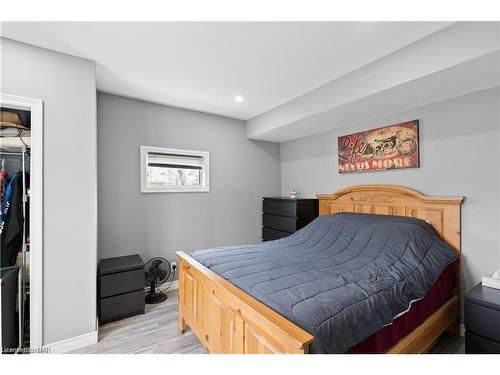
{"x":5,"y":199}
{"x":11,"y":225}
{"x":4,"y":181}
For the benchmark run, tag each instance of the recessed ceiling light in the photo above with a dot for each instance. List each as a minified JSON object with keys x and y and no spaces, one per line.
{"x":238,"y":98}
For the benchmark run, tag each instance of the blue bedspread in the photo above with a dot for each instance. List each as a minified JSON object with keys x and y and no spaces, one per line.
{"x":342,"y":277}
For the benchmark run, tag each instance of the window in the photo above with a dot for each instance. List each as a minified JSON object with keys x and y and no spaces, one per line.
{"x":167,"y":170}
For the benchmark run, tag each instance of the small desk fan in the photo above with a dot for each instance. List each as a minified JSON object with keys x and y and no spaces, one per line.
{"x":156,"y":272}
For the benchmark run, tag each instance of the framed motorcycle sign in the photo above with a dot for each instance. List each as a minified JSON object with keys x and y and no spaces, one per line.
{"x":381,"y":149}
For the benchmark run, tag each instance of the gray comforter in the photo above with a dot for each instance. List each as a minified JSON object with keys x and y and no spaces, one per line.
{"x":342,"y":277}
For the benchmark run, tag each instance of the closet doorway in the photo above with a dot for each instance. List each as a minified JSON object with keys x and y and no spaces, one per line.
{"x":32,"y":159}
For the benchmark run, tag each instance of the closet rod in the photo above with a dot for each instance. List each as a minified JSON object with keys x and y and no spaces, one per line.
{"x":13,"y":153}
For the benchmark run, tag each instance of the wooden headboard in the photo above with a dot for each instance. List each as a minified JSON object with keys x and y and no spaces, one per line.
{"x":442,"y":212}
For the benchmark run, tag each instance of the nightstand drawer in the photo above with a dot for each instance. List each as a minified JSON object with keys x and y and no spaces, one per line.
{"x":121,"y":306}
{"x":482,"y":320}
{"x":479,"y":345}
{"x":280,"y":207}
{"x":122,"y":282}
{"x":269,"y":234}
{"x":283,"y":223}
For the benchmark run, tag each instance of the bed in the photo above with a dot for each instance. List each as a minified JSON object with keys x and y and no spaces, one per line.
{"x":234,"y":300}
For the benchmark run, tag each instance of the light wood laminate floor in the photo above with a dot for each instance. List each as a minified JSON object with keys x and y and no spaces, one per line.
{"x":156,"y":332}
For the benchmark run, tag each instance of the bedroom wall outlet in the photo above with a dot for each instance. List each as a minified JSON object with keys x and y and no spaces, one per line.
{"x":173,"y":266}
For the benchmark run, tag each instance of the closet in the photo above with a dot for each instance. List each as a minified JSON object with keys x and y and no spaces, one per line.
{"x":15,"y":156}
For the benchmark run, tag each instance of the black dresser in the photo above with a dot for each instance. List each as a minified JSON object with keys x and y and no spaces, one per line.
{"x":482,"y":320}
{"x":282,"y":216}
{"x":120,"y":288}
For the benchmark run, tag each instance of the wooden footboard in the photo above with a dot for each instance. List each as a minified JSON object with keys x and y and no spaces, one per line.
{"x":228,"y":320}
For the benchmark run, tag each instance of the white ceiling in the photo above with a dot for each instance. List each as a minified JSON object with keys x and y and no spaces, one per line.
{"x":460,"y":59}
{"x":202,"y":66}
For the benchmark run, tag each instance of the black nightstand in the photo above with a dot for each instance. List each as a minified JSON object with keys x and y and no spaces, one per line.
{"x":482,"y":320}
{"x":120,"y":288}
{"x":282,"y":216}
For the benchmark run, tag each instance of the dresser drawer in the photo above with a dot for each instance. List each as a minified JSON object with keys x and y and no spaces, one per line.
{"x":269,"y":234}
{"x":482,"y":320}
{"x":280,"y":207}
{"x":122,"y":306}
{"x":121,"y":282}
{"x":283,"y":223}
{"x":475,"y":344}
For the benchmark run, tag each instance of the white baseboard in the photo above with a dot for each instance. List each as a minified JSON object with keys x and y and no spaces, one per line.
{"x":73,"y":343}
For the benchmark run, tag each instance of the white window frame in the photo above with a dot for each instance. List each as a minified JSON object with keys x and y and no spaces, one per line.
{"x":205,"y":155}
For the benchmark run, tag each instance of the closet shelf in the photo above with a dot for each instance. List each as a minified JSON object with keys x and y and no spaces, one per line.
{"x":14,"y":142}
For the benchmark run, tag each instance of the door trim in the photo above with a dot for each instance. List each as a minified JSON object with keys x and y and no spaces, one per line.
{"x":35,"y":106}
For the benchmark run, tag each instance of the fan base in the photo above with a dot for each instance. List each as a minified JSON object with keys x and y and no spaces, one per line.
{"x":155,"y":298}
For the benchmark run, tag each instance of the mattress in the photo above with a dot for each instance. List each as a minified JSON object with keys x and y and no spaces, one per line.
{"x":342,"y":278}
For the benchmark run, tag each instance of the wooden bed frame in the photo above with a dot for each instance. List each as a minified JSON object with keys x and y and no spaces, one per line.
{"x":228,"y":320}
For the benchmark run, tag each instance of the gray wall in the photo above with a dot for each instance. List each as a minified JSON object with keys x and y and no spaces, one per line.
{"x":66,"y":85}
{"x":459,"y":149}
{"x":158,"y":224}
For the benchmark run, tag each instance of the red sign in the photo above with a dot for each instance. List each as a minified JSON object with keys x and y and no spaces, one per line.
{"x":390,"y":147}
